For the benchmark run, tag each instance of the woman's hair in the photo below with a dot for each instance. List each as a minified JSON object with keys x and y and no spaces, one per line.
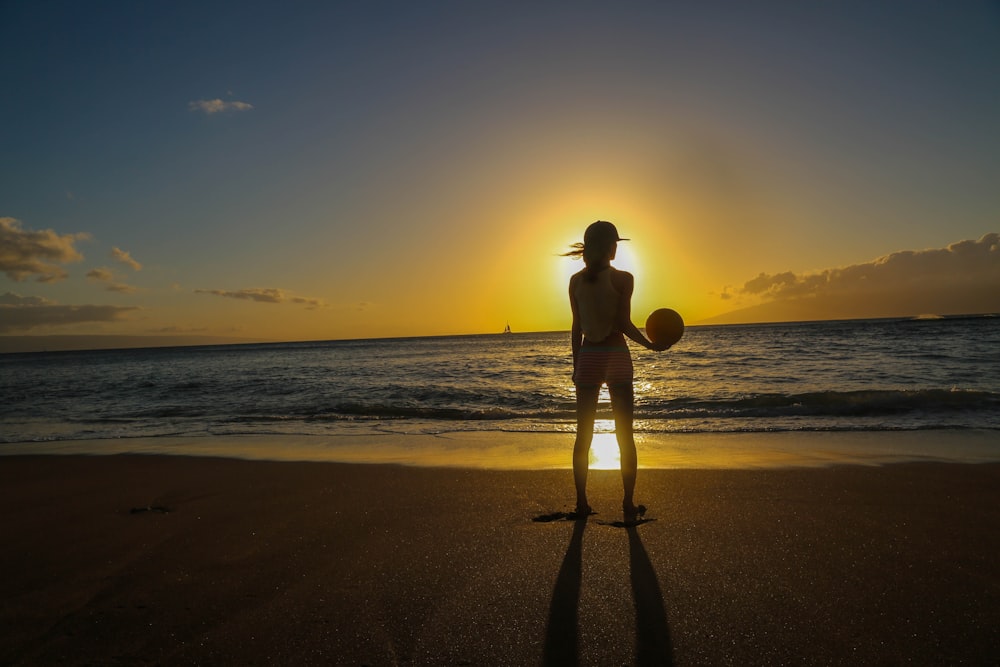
{"x":593,"y":256}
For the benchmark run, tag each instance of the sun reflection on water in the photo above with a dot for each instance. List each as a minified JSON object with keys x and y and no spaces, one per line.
{"x":604,"y":454}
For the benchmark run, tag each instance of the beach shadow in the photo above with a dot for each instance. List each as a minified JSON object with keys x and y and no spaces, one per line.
{"x":626,"y":523}
{"x":154,"y":509}
{"x":652,"y":632}
{"x":629,"y":520}
{"x":561,"y":516}
{"x":562,"y":631}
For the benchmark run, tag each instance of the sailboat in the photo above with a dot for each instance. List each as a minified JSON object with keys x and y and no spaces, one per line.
{"x":506,"y":329}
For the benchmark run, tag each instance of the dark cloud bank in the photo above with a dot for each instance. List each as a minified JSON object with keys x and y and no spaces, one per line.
{"x":962,"y":278}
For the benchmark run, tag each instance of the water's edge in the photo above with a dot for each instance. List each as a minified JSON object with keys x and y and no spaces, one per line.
{"x":539,"y":451}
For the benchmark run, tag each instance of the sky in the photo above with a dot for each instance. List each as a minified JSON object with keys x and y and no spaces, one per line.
{"x":326,"y":170}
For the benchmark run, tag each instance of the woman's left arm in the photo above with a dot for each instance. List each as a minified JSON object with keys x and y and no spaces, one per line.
{"x":624,"y":282}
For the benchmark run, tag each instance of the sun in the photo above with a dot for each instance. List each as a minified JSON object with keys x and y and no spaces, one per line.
{"x":626,"y":259}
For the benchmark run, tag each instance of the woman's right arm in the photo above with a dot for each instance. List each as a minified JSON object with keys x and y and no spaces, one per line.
{"x":576,"y":332}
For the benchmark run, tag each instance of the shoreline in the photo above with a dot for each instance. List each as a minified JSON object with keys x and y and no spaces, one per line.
{"x":197,"y":560}
{"x":515,"y":450}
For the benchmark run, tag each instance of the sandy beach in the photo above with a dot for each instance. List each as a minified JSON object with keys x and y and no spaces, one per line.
{"x":182,"y":560}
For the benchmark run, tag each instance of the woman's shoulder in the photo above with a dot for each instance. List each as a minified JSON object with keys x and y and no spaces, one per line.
{"x":619,"y":277}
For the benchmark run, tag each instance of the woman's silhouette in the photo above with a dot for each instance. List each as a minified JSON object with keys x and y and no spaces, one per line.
{"x":601,"y":300}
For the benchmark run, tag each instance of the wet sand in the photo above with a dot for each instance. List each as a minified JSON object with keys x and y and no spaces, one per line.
{"x":176,"y":560}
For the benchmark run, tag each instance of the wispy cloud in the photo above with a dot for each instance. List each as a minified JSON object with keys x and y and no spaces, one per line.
{"x":112,"y":284}
{"x":265,"y":295}
{"x":23,"y":313}
{"x":125,"y":258}
{"x":25,"y":252}
{"x":218,"y":106}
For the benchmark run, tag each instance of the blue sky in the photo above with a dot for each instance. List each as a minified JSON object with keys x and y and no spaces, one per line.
{"x":413,"y":168}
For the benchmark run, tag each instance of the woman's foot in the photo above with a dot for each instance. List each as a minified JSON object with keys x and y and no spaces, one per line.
{"x":582,"y":511}
{"x":631,"y":509}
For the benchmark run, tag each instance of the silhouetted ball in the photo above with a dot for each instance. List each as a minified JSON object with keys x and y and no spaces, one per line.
{"x":664,"y":326}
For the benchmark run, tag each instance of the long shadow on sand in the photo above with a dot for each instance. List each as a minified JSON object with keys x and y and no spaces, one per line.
{"x":652,"y":632}
{"x":561,"y":645}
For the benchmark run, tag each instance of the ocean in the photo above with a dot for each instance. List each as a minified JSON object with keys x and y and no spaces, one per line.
{"x":843,"y":376}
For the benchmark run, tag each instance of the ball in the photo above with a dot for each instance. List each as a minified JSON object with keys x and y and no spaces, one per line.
{"x":664,"y":326}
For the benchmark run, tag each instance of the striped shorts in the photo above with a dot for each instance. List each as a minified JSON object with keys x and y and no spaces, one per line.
{"x":602,"y":365}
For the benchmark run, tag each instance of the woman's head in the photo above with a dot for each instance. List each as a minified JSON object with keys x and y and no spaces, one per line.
{"x":600,"y":242}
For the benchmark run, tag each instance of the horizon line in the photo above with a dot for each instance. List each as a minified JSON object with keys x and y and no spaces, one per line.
{"x":22,"y":342}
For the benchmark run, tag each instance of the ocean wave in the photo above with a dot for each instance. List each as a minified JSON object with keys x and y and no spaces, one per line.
{"x":444,"y":407}
{"x":868,"y":375}
{"x":862,"y":403}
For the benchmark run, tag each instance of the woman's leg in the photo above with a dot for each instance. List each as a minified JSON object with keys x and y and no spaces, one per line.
{"x":586,"y":410}
{"x":622,"y":407}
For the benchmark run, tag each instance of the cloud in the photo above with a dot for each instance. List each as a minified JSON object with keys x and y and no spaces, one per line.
{"x":265,"y":295}
{"x":11,"y":299}
{"x":960,"y":264}
{"x":101,"y":274}
{"x":25,"y":252}
{"x":963,"y":277}
{"x":308,"y":301}
{"x":122,"y":288}
{"x":217,"y":106}
{"x":179,"y":330}
{"x":125,"y":258}
{"x":21,"y":313}
{"x":105,"y":275}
